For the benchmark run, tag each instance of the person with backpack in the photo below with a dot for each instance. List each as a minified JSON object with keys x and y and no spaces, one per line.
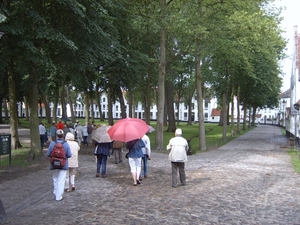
{"x":59,"y":152}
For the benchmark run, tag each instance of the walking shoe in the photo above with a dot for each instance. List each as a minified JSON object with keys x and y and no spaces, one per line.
{"x":140,"y":178}
{"x":146,"y":176}
{"x":97,"y":175}
{"x":104,"y":176}
{"x":138,"y":181}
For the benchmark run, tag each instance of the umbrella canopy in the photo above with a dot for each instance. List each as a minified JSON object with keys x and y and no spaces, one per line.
{"x":151,"y":129}
{"x":65,"y":119}
{"x":100,"y":134}
{"x":128,"y":129}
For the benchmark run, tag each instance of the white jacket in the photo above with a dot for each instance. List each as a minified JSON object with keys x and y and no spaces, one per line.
{"x":178,"y":146}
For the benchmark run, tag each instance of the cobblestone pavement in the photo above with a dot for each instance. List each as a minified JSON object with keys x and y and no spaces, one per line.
{"x":247,"y":181}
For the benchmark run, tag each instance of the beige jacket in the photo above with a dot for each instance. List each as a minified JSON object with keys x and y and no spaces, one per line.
{"x":73,"y":161}
{"x":178,"y":146}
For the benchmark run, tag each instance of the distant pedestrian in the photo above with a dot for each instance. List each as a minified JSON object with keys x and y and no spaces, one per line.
{"x":146,"y":157}
{"x":52,"y":131}
{"x":42,"y":132}
{"x":90,"y":130}
{"x":59,"y":175}
{"x":73,"y":162}
{"x":85,"y":135}
{"x":66,"y":129}
{"x":60,"y":125}
{"x":178,"y":156}
{"x":135,"y":155}
{"x":79,"y":133}
{"x":103,"y":150}
{"x":118,"y":151}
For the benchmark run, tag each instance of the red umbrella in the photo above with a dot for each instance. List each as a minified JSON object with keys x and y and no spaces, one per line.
{"x":128,"y":129}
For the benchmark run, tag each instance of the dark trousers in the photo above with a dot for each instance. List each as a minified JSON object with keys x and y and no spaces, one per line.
{"x":42,"y":138}
{"x":118,"y":155}
{"x":180,"y":166}
{"x":101,"y":162}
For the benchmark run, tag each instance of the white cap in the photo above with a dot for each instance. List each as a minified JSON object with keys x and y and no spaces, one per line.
{"x":178,"y":131}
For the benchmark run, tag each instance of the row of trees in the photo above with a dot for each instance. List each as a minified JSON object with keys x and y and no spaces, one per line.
{"x":156,"y":51}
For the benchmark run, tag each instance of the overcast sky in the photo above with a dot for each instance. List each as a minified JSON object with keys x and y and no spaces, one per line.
{"x":291,"y":17}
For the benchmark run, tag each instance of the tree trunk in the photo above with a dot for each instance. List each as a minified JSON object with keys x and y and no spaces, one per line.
{"x":253,"y":116}
{"x":232,"y":114}
{"x":47,"y":109}
{"x":5,"y":109}
{"x":56,"y":97}
{"x":35,"y":151}
{"x":170,"y":107}
{"x":238,"y":112}
{"x":98,"y":102}
{"x":224,"y":115}
{"x":86,"y":107}
{"x":1,"y":118}
{"x":245,"y":115}
{"x":26,"y":107}
{"x":63,"y":103}
{"x":199,"y":92}
{"x":122,"y":103}
{"x":15,"y":142}
{"x":109,"y":108}
{"x":130,"y":104}
{"x":70,"y":104}
{"x":159,"y":138}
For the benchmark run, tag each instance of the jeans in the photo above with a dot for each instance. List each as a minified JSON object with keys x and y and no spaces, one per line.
{"x":144,"y":166}
{"x":101,"y":161}
{"x":42,"y":138}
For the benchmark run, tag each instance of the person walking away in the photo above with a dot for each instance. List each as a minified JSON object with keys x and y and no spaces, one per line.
{"x":60,"y":125}
{"x":118,"y":151}
{"x":66,"y":129}
{"x":135,"y":155}
{"x":52,"y":131}
{"x":85,"y":135}
{"x":59,"y":175}
{"x":79,"y":133}
{"x":103,"y":150}
{"x":178,"y":156}
{"x":146,"y":156}
{"x":42,"y":132}
{"x":90,"y":130}
{"x":72,"y":162}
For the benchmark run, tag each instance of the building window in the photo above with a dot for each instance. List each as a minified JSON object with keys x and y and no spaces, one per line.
{"x":103,"y":107}
{"x":103,"y":99}
{"x":206,"y":115}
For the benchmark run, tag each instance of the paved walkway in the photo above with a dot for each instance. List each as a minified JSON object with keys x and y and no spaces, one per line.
{"x":248,"y":181}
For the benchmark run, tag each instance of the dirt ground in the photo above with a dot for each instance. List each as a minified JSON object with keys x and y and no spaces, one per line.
{"x":13,"y":171}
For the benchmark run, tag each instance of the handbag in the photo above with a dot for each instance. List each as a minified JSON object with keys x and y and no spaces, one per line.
{"x":95,"y":150}
{"x":130,"y":149}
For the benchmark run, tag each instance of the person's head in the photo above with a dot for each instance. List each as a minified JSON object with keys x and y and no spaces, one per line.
{"x":53,"y":123}
{"x":178,"y":132}
{"x":60,"y":133}
{"x":70,"y":137}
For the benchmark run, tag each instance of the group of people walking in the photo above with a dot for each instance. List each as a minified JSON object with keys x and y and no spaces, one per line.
{"x":138,"y":155}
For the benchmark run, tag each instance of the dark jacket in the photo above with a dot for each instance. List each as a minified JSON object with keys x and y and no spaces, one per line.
{"x":103,"y":148}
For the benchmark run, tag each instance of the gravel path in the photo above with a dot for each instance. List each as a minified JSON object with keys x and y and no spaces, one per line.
{"x":247,"y":181}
